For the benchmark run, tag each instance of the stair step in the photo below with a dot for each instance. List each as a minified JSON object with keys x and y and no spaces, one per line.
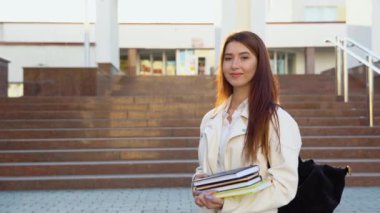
{"x":329,"y":112}
{"x":204,"y":106}
{"x":155,"y":142}
{"x":341,"y":141}
{"x":163,"y":122}
{"x":340,"y":152}
{"x":339,"y":130}
{"x":80,"y":143}
{"x":97,"y":167}
{"x":164,"y":132}
{"x":95,"y":181}
{"x":100,"y":132}
{"x":114,"y":107}
{"x":363,"y":179}
{"x":98,"y":154}
{"x":335,"y":121}
{"x":357,"y":165}
{"x":146,"y":99}
{"x":97,"y":123}
{"x":163,"y":153}
{"x":147,"y":166}
{"x":134,"y":181}
{"x":128,"y":114}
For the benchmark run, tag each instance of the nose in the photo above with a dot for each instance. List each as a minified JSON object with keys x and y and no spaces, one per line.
{"x":235,"y":63}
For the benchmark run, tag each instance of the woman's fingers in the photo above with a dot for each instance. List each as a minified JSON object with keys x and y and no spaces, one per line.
{"x":207,"y":200}
{"x":200,"y":175}
{"x":200,"y":200}
{"x":195,"y":193}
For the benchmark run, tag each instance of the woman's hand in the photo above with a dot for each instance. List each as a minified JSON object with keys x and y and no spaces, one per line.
{"x":206,"y":199}
{"x":197,"y":176}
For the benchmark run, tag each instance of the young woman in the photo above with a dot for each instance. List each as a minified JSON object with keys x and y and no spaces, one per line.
{"x":247,"y":126}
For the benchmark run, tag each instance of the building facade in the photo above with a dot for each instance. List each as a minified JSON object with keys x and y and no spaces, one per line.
{"x":294,"y":30}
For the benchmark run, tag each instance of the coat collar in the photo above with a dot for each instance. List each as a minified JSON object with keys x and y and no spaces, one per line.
{"x":214,"y":128}
{"x":220,"y":108}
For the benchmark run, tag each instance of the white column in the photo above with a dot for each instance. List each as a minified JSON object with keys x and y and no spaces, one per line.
{"x":107,"y":31}
{"x":86,"y":36}
{"x":164,"y":60}
{"x":232,"y":16}
{"x":243,"y":15}
{"x":376,"y":26}
{"x":225,"y":17}
{"x":258,"y":18}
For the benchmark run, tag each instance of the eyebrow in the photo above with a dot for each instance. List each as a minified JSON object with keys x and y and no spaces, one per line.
{"x":241,"y":53}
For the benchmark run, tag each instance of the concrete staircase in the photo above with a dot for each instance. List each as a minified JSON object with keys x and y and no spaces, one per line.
{"x":146,"y":133}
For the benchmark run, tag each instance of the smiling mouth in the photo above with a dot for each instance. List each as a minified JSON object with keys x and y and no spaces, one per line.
{"x":235,"y":75}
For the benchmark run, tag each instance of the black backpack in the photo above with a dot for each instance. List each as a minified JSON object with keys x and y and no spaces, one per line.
{"x":320,"y":188}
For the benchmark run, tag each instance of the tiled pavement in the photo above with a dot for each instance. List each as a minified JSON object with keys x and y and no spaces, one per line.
{"x":173,"y":200}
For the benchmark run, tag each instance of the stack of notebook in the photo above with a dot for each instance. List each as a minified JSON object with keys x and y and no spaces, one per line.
{"x":235,"y":182}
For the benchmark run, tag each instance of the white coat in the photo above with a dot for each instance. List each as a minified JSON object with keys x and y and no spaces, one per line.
{"x":283,"y":160}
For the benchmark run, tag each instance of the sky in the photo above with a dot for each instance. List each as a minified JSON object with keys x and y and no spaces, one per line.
{"x":132,"y":11}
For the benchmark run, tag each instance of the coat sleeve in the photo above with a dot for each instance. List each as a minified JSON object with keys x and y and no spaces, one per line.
{"x":202,"y":147}
{"x":202,"y":154}
{"x":283,"y":171}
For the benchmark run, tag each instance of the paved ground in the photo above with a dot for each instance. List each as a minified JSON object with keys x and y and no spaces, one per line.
{"x":172,"y":200}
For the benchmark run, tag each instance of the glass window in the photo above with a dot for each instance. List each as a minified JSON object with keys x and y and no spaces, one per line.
{"x":272,"y":62}
{"x":145,"y":63}
{"x":320,"y":13}
{"x":175,"y":61}
{"x":282,"y":62}
{"x":170,"y":62}
{"x":124,"y":63}
{"x":157,"y":63}
{"x":291,"y":61}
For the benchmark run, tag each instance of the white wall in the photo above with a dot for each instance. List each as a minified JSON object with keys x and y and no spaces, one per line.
{"x":300,"y":61}
{"x":293,"y":10}
{"x":359,"y":12}
{"x":45,"y":32}
{"x":130,"y":35}
{"x":376,"y":26}
{"x":258,"y":18}
{"x":279,"y":11}
{"x":340,"y":6}
{"x":1,"y":31}
{"x":167,"y":36}
{"x":178,"y":11}
{"x":324,"y":59}
{"x":362,"y":35}
{"x":302,"y":35}
{"x":33,"y":56}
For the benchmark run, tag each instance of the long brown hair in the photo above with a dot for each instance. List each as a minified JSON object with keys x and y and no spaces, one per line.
{"x":262,"y":98}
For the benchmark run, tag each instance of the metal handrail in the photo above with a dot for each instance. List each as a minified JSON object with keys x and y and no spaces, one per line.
{"x":342,"y":50}
{"x":365,"y":49}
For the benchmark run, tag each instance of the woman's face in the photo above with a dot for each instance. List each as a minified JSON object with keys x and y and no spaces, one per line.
{"x":239,"y":65}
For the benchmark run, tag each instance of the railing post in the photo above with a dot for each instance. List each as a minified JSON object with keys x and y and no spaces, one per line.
{"x":345,"y":71}
{"x":338,"y":68}
{"x":370,"y":92}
